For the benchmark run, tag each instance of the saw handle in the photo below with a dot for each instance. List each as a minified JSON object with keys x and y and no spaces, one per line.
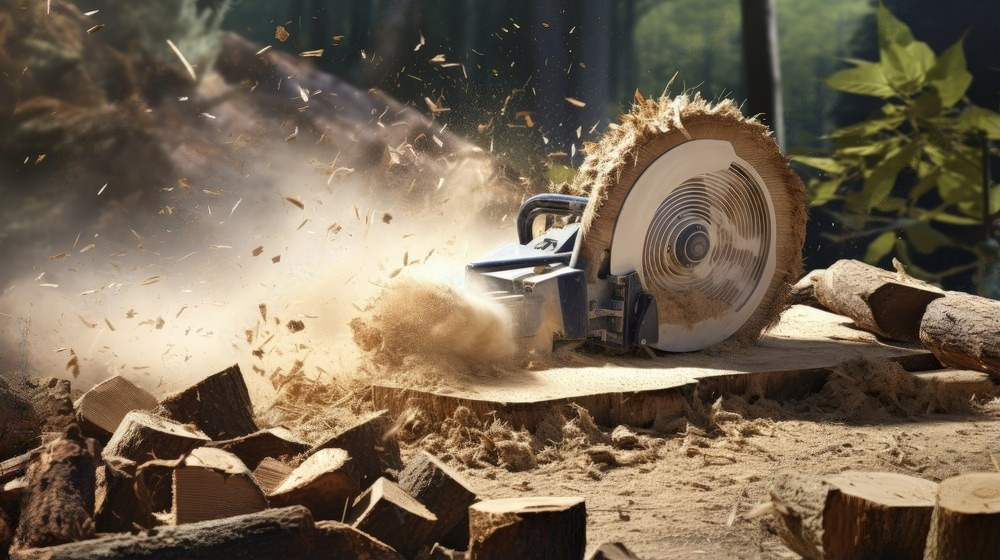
{"x":542,"y":204}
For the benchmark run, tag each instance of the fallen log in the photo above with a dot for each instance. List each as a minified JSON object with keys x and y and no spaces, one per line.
{"x":613,"y":551}
{"x":853,"y":515}
{"x":274,"y":533}
{"x":213,"y":484}
{"x":528,"y":528}
{"x":963,"y":331}
{"x":101,"y":409}
{"x":373,"y":451}
{"x":889,"y":304}
{"x":324,"y":483}
{"x":143,"y":437}
{"x":270,"y":473}
{"x":275,"y":443}
{"x":117,"y":507}
{"x":386,"y":512}
{"x":966,"y":521}
{"x":443,"y":491}
{"x":219,"y":405}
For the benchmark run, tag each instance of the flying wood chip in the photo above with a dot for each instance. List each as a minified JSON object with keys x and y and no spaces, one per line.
{"x":256,"y":252}
{"x":294,"y":200}
{"x":281,"y":34}
{"x":314,"y":54}
{"x":576,"y":102}
{"x":151,"y":280}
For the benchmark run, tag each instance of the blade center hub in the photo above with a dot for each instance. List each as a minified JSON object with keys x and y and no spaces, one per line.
{"x":692,"y":245}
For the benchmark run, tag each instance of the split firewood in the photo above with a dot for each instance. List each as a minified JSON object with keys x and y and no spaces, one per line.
{"x":442,"y":490}
{"x":219,"y":405}
{"x":889,"y":304}
{"x":803,"y":292}
{"x":143,"y":437}
{"x":101,"y":409}
{"x":373,"y":451}
{"x":20,"y":424}
{"x":324,"y":483}
{"x":254,"y":448}
{"x":963,"y":331}
{"x":550,"y":528}
{"x":853,"y":514}
{"x":58,"y":505}
{"x":613,"y":551}
{"x":154,"y":485}
{"x":273,"y":533}
{"x":117,"y":507}
{"x":212,"y":484}
{"x":270,"y":473}
{"x":386,"y":512}
{"x":966,"y":520}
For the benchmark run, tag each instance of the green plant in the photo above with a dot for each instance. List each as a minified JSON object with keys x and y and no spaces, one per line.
{"x":910,"y":177}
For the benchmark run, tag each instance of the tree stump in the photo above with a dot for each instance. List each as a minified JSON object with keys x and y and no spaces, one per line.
{"x":372,"y":451}
{"x":213,"y":484}
{"x":323,"y":483}
{"x":963,"y":331}
{"x":143,"y":437}
{"x":219,"y":405}
{"x":528,"y":528}
{"x":270,"y":473}
{"x":966,"y":521}
{"x":889,"y":304}
{"x":254,"y":448}
{"x":386,"y":512}
{"x":117,"y":507}
{"x":443,"y":491}
{"x":101,"y":409}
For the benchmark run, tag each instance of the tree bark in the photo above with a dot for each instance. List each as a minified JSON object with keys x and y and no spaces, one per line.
{"x":20,"y":424}
{"x":966,"y":521}
{"x":963,"y":331}
{"x":803,"y":292}
{"x":528,"y":528}
{"x":117,"y":507}
{"x":445,"y":493}
{"x":219,"y":405}
{"x":763,"y":64}
{"x":386,"y":512}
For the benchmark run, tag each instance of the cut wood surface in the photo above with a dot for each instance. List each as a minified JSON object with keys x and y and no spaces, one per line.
{"x":143,"y":437}
{"x":803,"y":292}
{"x":545,"y":528}
{"x":20,"y":424}
{"x":324,"y":483}
{"x":101,"y":409}
{"x":212,"y":484}
{"x":219,"y":405}
{"x":442,"y":490}
{"x":386,"y":512}
{"x":613,"y":551}
{"x":853,"y":515}
{"x":373,"y":450}
{"x":274,"y":533}
{"x":117,"y":507}
{"x":966,"y":521}
{"x":252,"y":449}
{"x":963,"y":331}
{"x":886,"y":303}
{"x":270,"y":473}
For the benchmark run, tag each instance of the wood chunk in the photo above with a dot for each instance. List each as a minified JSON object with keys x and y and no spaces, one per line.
{"x":101,"y":409}
{"x":386,"y":512}
{"x":803,"y":292}
{"x":440,"y":552}
{"x":117,"y":507}
{"x":853,"y":515}
{"x":966,"y":520}
{"x":442,"y":490}
{"x":323,"y":483}
{"x":270,"y":473}
{"x":963,"y":331}
{"x":219,"y":405}
{"x":273,"y":533}
{"x":373,"y":453}
{"x":154,"y":485}
{"x":889,"y":304}
{"x":58,"y":506}
{"x":20,"y":424}
{"x":143,"y":437}
{"x":12,"y":493}
{"x":15,"y":466}
{"x":548,"y":528}
{"x":613,"y":551}
{"x":212,"y":484}
{"x":52,"y":402}
{"x":254,"y":448}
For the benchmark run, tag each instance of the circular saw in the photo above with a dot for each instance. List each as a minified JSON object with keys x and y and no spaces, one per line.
{"x":690,"y":234}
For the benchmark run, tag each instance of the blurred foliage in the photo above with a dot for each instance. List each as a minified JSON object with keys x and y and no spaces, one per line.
{"x":909,"y":178}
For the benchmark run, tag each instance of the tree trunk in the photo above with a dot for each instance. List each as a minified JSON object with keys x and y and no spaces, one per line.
{"x":442,"y":490}
{"x":763,"y":64}
{"x":528,"y":529}
{"x":966,"y":521}
{"x":963,"y":331}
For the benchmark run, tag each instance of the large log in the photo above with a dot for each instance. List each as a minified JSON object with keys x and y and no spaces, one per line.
{"x":213,"y":484}
{"x":966,"y":521}
{"x":274,"y":533}
{"x":324,"y":483}
{"x":219,"y":405}
{"x":252,"y":449}
{"x":386,"y":512}
{"x":963,"y":331}
{"x":443,"y":491}
{"x":58,"y":506}
{"x":374,"y":452}
{"x":143,"y":437}
{"x":853,"y":515}
{"x":889,"y":304}
{"x":101,"y":409}
{"x":528,"y":528}
{"x":117,"y":507}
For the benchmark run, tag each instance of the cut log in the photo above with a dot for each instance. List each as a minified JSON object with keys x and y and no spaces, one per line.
{"x":252,"y":449}
{"x":219,"y":405}
{"x":274,"y":533}
{"x":803,"y":292}
{"x":101,"y":409}
{"x":889,"y":304}
{"x":547,"y":528}
{"x":966,"y":520}
{"x":373,"y":452}
{"x":324,"y":483}
{"x":117,"y":507}
{"x":963,"y":331}
{"x":212,"y":484}
{"x":143,"y":437}
{"x":58,"y":505}
{"x":443,"y":491}
{"x":613,"y":551}
{"x":20,"y":424}
{"x":270,"y":473}
{"x":853,"y":515}
{"x":50,"y":397}
{"x":386,"y":512}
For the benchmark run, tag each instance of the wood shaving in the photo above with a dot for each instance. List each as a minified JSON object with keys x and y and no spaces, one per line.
{"x":256,"y":252}
{"x":184,"y":61}
{"x":151,"y":280}
{"x":281,"y":34}
{"x":73,"y":365}
{"x":576,"y":102}
{"x":291,"y":199}
{"x":96,"y":28}
{"x":315,"y":54}
{"x":58,"y":256}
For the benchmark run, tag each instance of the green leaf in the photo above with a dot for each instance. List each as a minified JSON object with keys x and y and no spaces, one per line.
{"x":869,"y":127}
{"x":954,"y":220}
{"x":961,"y":179}
{"x":828,"y":165}
{"x":995,"y":199}
{"x":821,"y":192}
{"x":926,"y":239}
{"x":880,"y":247}
{"x":905,"y":61}
{"x":864,"y":79}
{"x":950,"y":75}
{"x":881,"y":180}
{"x":976,"y":118}
{"x":927,"y":104}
